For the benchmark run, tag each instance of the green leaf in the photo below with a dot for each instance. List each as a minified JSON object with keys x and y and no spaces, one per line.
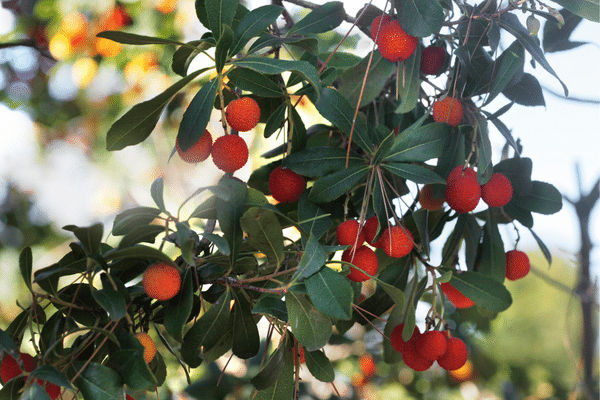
{"x":542,"y":246}
{"x":276,"y":119}
{"x":6,"y":342}
{"x":311,"y":328}
{"x":322,"y":19}
{"x":219,"y":13}
{"x":179,"y":308}
{"x":253,"y":23}
{"x":483,"y":290}
{"x":196,"y":116}
{"x":518,"y":171}
{"x":264,"y":232}
{"x":420,"y":143}
{"x":331,"y":293}
{"x":492,"y":261}
{"x":311,"y":45}
{"x":283,"y":387}
{"x":219,"y":241}
{"x":231,"y":210}
{"x":332,"y":186}
{"x":313,"y":258}
{"x":508,"y":64}
{"x":246,"y":339}
{"x":111,"y":301}
{"x":272,"y":66}
{"x":527,"y":92}
{"x":26,"y":266}
{"x":588,"y":9}
{"x":130,"y":364}
{"x":132,"y":38}
{"x":52,"y":375}
{"x":420,"y":18}
{"x":130,"y":219}
{"x":320,"y":161}
{"x":223,"y":46}
{"x":319,"y":365}
{"x":271,"y":304}
{"x":144,"y":233}
{"x":511,"y":23}
{"x":138,"y":252}
{"x":184,"y":55}
{"x":543,"y":198}
{"x":90,"y":237}
{"x":351,"y":81}
{"x":35,"y":392}
{"x":336,"y":109}
{"x":156,"y":191}
{"x":312,"y":218}
{"x":410,"y":75}
{"x":255,"y":82}
{"x":415,"y":173}
{"x":484,"y":151}
{"x":97,"y":381}
{"x":137,"y":124}
{"x":270,"y":372}
{"x":421,"y":218}
{"x":201,"y":13}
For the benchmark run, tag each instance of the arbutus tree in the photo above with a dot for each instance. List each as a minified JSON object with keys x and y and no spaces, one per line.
{"x":412,"y":116}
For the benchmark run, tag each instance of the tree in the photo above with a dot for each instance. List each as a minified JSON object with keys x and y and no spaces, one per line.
{"x":237,"y":262}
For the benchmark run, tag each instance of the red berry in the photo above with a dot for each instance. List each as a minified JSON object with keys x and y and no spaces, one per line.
{"x":285,"y":185}
{"x":432,"y":60}
{"x":458,"y":171}
{"x":431,"y":345}
{"x":427,"y":200}
{"x":448,"y":110}
{"x":396,"y":338}
{"x":199,"y":151}
{"x":379,"y":23}
{"x":242,"y":114}
{"x":349,"y":233}
{"x":230,"y":153}
{"x":414,"y":360}
{"x":367,"y":365}
{"x":394,"y":43}
{"x":129,"y":397}
{"x":10,"y":367}
{"x":498,"y":191}
{"x":52,"y":389}
{"x":161,"y":281}
{"x":463,"y":194}
{"x":455,"y":297}
{"x":455,"y":355}
{"x":370,"y":230}
{"x":517,"y":265}
{"x":365,"y":259}
{"x":396,"y":241}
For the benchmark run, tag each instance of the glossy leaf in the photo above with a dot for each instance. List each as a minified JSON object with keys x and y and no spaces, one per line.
{"x":129,"y":219}
{"x":484,"y":151}
{"x":415,"y":173}
{"x":219,"y":241}
{"x":111,"y":301}
{"x":543,"y":199}
{"x":332,"y":186}
{"x":351,"y":81}
{"x":420,"y":18}
{"x":310,"y":326}
{"x":253,"y":23}
{"x":420,"y":143}
{"x":231,"y":210}
{"x":390,"y":355}
{"x":276,"y":120}
{"x":483,"y":290}
{"x":184,"y":55}
{"x":137,"y":123}
{"x":264,"y":232}
{"x":319,"y":366}
{"x":97,"y":381}
{"x":283,"y":387}
{"x":222,"y":49}
{"x":179,"y":308}
{"x":331,"y":293}
{"x":308,"y":44}
{"x":144,"y":233}
{"x":26,"y":266}
{"x":90,"y":236}
{"x":492,"y":261}
{"x":246,"y":339}
{"x":322,"y":19}
{"x":518,"y":171}
{"x":138,"y":252}
{"x":320,"y":161}
{"x":313,"y":258}
{"x":271,"y":304}
{"x":196,"y":116}
{"x":132,"y":38}
{"x":218,"y":14}
{"x":255,"y":82}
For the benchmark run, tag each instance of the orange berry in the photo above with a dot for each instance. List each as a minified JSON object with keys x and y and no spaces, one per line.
{"x":370,"y":230}
{"x":396,"y":241}
{"x":10,"y":367}
{"x":396,"y":338}
{"x":358,"y":380}
{"x":432,"y":60}
{"x":431,"y":345}
{"x":463,"y":193}
{"x":285,"y":185}
{"x":229,"y":153}
{"x":149,"y":346}
{"x":242,"y":114}
{"x":365,"y":259}
{"x":394,"y":43}
{"x":379,"y":23}
{"x":498,"y":191}
{"x":456,"y":297}
{"x":427,"y":200}
{"x":517,"y":265}
{"x":367,"y":365}
{"x":199,"y":151}
{"x":349,"y":233}
{"x":455,"y":356}
{"x":161,"y":281}
{"x":463,"y":373}
{"x":448,"y":110}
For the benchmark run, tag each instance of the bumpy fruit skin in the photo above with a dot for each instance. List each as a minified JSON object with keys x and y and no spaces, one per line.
{"x":396,"y":338}
{"x":432,"y":60}
{"x":414,"y":360}
{"x":365,"y":259}
{"x":498,"y":191}
{"x":458,"y":171}
{"x":379,"y":23}
{"x":199,"y":151}
{"x":427,"y":200}
{"x":229,"y":153}
{"x":455,"y":297}
{"x":349,"y":233}
{"x":394,"y":43}
{"x":448,"y":110}
{"x":149,"y":346}
{"x":431,"y":345}
{"x":10,"y":368}
{"x":285,"y":185}
{"x":455,"y":356}
{"x":161,"y":281}
{"x":242,"y":114}
{"x":367,"y":366}
{"x":463,"y":194}
{"x":370,"y":230}
{"x":396,"y":241}
{"x":517,"y":265}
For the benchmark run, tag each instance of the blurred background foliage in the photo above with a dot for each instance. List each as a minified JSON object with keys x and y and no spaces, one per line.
{"x":61,"y":88}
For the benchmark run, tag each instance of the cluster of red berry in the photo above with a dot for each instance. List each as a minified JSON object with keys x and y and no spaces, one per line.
{"x":11,"y":368}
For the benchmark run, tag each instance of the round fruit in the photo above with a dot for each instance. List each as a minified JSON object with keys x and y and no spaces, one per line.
{"x":448,"y":110}
{"x":427,"y":200}
{"x":10,"y":367}
{"x":463,"y":194}
{"x":458,"y":171}
{"x":396,"y":338}
{"x":52,"y":389}
{"x":498,"y":191}
{"x":431,"y":345}
{"x":455,"y":355}
{"x":455,"y":297}
{"x":199,"y":151}
{"x":394,"y":43}
{"x":230,"y":153}
{"x":365,"y":259}
{"x":367,"y":365}
{"x":161,"y":281}
{"x":285,"y":185}
{"x":370,"y":230}
{"x":396,"y":241}
{"x":432,"y":60}
{"x":414,"y":360}
{"x":379,"y":23}
{"x":129,"y":397}
{"x":349,"y":233}
{"x":242,"y":114}
{"x":517,"y":265}
{"x":149,"y":346}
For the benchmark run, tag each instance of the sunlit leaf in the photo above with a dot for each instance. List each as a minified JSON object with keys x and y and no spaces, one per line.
{"x":319,"y":366}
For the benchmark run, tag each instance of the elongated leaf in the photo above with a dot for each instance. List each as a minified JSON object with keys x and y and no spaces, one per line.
{"x":510,"y":62}
{"x":138,"y":252}
{"x":313,"y":258}
{"x":483,"y":290}
{"x":219,"y":13}
{"x":129,"y":219}
{"x":322,"y":19}
{"x":223,"y":45}
{"x":34,"y":392}
{"x":246,"y":339}
{"x":310,"y":45}
{"x":588,"y":9}
{"x":320,"y":161}
{"x":319,"y":366}
{"x":112,"y":302}
{"x":97,"y":381}
{"x":132,"y":38}
{"x":332,"y":186}
{"x":90,"y":237}
{"x":310,"y":326}
{"x":26,"y":266}
{"x":253,"y":23}
{"x":415,"y":173}
{"x":196,"y":116}
{"x":543,"y":198}
{"x":411,"y":78}
{"x":492,"y":261}
{"x":351,"y":81}
{"x":137,"y":124}
{"x":6,"y":342}
{"x":179,"y":308}
{"x":542,"y":246}
{"x":312,"y":218}
{"x":255,"y":82}
{"x":275,"y":121}
{"x":527,"y":92}
{"x":484,"y":151}
{"x":184,"y":55}
{"x":264,"y":233}
{"x":283,"y":387}
{"x":231,"y":210}
{"x":420,"y":143}
{"x":390,"y":355}
{"x":144,"y":233}
{"x":331,"y":293}
{"x":156,"y":191}
{"x":420,"y":18}
{"x":270,"y":372}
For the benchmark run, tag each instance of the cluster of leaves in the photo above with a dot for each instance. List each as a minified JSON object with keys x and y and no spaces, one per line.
{"x":247,"y":265}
